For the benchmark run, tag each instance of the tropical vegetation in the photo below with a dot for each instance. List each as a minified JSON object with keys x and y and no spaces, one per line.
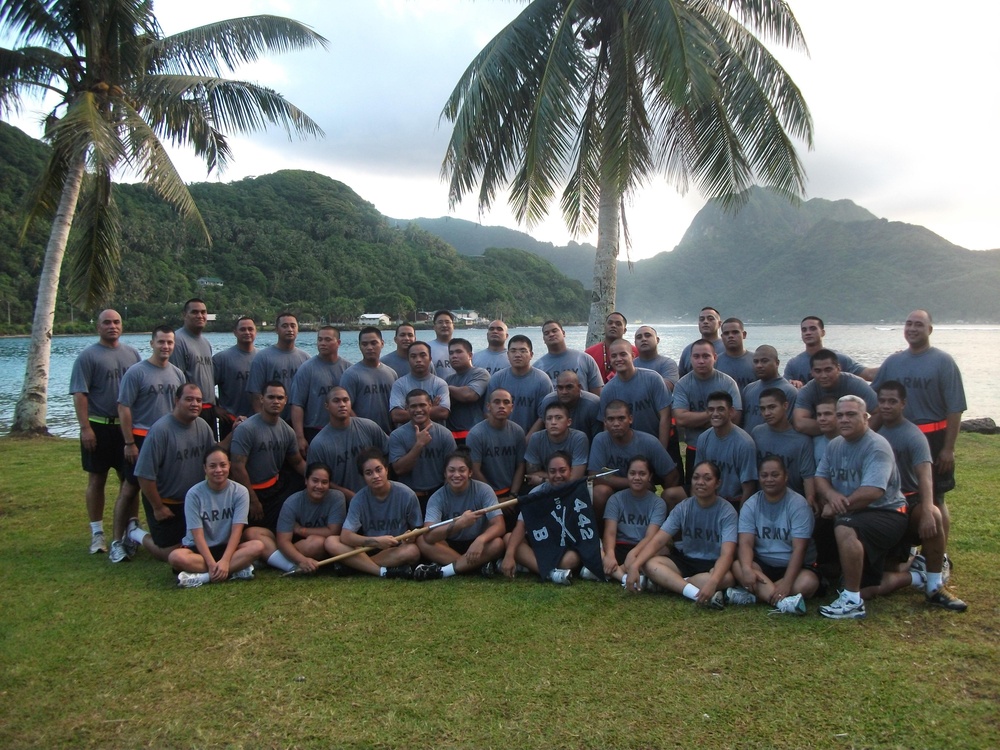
{"x":117,"y":91}
{"x":600,"y":95}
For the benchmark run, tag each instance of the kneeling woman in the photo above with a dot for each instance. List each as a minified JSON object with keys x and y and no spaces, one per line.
{"x":776,"y":556}
{"x":216,"y":513}
{"x":474,"y":540}
{"x":701,"y":571}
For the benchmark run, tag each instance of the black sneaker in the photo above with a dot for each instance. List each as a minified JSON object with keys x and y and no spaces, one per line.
{"x":427,"y":572}
{"x":946,"y":600}
{"x":399,"y":571}
{"x":489,"y":570}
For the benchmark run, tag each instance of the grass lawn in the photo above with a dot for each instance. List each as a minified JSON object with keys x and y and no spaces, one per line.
{"x":95,"y":655}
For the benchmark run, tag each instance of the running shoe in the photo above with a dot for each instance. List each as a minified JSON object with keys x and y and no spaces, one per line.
{"x":946,"y":600}
{"x":561,"y":576}
{"x":427,"y":572}
{"x":98,"y":543}
{"x":117,"y":553}
{"x":790,"y":605}
{"x":246,"y":574}
{"x":740,"y":596}
{"x":842,"y":608}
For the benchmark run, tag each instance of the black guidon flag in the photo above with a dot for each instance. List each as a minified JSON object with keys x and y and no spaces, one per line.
{"x":558,"y":520}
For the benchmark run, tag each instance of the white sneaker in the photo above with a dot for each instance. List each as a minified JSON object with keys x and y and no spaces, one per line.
{"x":561,"y":576}
{"x":131,"y":546}
{"x":740,"y":596}
{"x":187,"y":580}
{"x":718,"y":600}
{"x":587,"y":575}
{"x":843,"y":609}
{"x":246,"y":574}
{"x":790,"y":605}
{"x":98,"y":543}
{"x":117,"y":553}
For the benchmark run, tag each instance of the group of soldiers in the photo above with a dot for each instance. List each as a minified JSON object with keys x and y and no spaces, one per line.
{"x":246,"y":456}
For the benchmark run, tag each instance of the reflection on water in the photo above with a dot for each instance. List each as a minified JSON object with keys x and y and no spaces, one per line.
{"x":973,"y":347}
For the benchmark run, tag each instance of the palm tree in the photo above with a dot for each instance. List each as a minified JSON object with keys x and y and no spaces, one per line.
{"x":121,"y":90}
{"x":599,"y":95}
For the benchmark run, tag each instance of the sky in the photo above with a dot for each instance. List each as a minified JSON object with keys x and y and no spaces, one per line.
{"x":904,"y":94}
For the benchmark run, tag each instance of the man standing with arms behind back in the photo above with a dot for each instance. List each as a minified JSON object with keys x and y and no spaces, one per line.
{"x":494,"y":357}
{"x":280,"y":362}
{"x":232,"y":371}
{"x":93,"y":384}
{"x":935,"y":400}
{"x":193,"y":356}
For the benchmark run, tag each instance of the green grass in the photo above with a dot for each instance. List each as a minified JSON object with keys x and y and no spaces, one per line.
{"x":95,"y":655}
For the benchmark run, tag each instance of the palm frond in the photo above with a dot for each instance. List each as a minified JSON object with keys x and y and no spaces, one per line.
{"x":218,"y":48}
{"x":95,"y":248}
{"x":148,"y":157}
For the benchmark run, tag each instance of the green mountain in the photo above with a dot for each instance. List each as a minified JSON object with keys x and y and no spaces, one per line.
{"x":773,"y":262}
{"x":576,"y":260}
{"x":291,"y":239}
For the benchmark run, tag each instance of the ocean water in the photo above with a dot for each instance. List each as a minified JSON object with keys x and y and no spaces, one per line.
{"x":975,"y":348}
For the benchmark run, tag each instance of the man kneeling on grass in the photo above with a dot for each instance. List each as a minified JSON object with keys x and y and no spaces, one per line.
{"x":474,"y":540}
{"x":701,"y":572}
{"x":379,"y":512}
{"x":776,"y":555}
{"x":310,"y":517}
{"x":216,"y":513}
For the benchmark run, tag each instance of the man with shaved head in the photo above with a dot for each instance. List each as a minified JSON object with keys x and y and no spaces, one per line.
{"x":765,"y":367}
{"x":94,"y":386}
{"x":647,"y":342}
{"x":584,"y":407}
{"x":935,"y":400}
{"x":494,"y":357}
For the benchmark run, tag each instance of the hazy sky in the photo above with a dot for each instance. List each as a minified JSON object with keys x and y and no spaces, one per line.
{"x":905,"y":98}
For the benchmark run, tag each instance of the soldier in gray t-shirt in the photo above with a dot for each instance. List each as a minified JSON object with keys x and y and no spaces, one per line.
{"x":475,"y":538}
{"x":497,"y":446}
{"x":776,"y":553}
{"x":170,"y":463}
{"x":378,"y":515}
{"x":275,"y":363}
{"x":631,"y":518}
{"x":215,"y":512}
{"x":417,"y":450}
{"x":338,"y":444}
{"x":310,"y":517}
{"x":369,"y":388}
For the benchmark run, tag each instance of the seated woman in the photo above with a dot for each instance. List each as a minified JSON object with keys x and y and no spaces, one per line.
{"x":379,"y":512}
{"x":475,"y":539}
{"x":631,"y":518}
{"x":216,"y":513}
{"x":310,"y":517}
{"x":776,"y":560}
{"x":701,"y":571}
{"x":519,"y":553}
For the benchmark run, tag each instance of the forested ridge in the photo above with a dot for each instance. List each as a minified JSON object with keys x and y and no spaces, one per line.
{"x":292,"y":239}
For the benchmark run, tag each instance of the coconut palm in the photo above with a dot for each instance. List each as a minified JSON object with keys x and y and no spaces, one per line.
{"x":600,"y":95}
{"x":121,"y":90}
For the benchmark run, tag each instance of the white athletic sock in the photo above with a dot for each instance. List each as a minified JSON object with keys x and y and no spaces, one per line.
{"x":934,"y":582}
{"x":96,"y":527}
{"x":854,"y":597}
{"x":624,"y":578}
{"x":137,"y":535}
{"x":279,"y":561}
{"x":448,"y":571}
{"x":690,"y":591}
{"x":381,"y":572}
{"x":916,"y":579}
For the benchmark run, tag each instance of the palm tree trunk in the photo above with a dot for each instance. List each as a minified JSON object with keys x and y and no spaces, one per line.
{"x":29,"y":414}
{"x":605,"y":262}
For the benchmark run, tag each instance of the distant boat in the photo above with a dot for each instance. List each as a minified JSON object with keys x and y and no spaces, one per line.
{"x":884,"y":328}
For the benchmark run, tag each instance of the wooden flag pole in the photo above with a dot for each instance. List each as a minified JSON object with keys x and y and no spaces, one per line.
{"x":411,"y":534}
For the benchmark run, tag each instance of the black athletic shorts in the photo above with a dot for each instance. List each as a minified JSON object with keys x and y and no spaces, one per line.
{"x":273,"y":498}
{"x":216,"y":550}
{"x":943,"y":482}
{"x":461,"y":546}
{"x":880,"y":531}
{"x":776,"y":572}
{"x":690,"y":566}
{"x":108,"y":454}
{"x":169,"y":533}
{"x":130,"y":476}
{"x":621,"y":551}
